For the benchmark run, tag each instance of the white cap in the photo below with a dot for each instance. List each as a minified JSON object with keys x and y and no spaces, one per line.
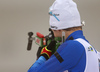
{"x":64,"y":14}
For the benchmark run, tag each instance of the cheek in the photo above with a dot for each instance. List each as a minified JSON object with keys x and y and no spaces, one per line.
{"x":57,"y":35}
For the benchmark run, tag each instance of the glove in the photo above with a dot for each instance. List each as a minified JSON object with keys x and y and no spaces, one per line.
{"x":47,"y":50}
{"x":39,"y":51}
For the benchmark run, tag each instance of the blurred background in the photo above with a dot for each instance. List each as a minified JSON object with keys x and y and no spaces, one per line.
{"x":18,"y":17}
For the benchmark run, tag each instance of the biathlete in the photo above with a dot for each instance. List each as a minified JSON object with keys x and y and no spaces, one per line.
{"x":76,"y":54}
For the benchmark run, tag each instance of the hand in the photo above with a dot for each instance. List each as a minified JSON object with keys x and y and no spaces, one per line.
{"x":39,"y":52}
{"x":47,"y":50}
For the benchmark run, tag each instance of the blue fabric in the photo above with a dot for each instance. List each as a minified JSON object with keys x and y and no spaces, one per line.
{"x":40,"y":61}
{"x":76,"y":34}
{"x":73,"y":54}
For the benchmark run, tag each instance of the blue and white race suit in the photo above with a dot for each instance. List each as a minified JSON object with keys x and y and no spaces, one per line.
{"x":74,"y":55}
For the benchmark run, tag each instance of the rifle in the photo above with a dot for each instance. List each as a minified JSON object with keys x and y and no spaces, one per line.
{"x":43,"y":41}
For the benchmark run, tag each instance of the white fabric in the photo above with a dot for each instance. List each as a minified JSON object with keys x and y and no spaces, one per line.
{"x":98,"y":55}
{"x":67,"y":13}
{"x":92,"y":63}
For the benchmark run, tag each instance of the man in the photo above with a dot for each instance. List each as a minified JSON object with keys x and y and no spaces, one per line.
{"x":75,"y":54}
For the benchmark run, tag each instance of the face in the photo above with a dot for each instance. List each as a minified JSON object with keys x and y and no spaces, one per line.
{"x":57,"y":33}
